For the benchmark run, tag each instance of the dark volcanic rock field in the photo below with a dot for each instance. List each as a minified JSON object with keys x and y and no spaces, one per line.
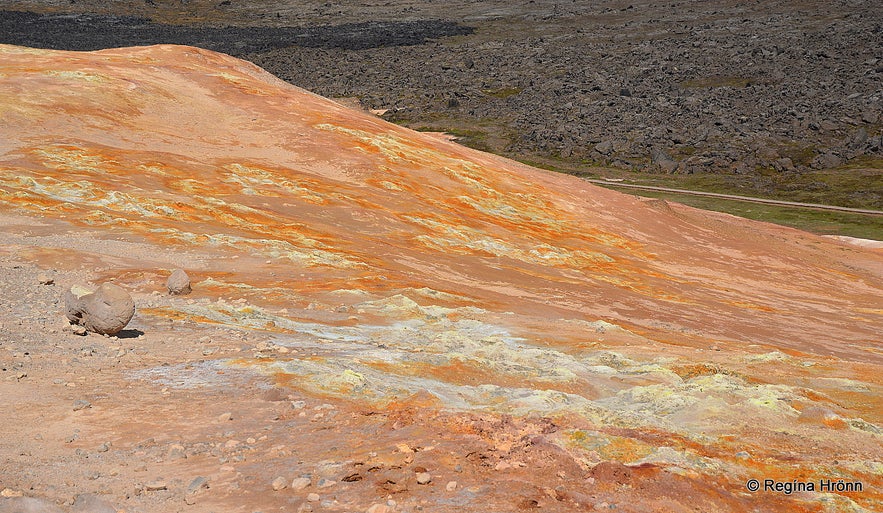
{"x":682,"y":87}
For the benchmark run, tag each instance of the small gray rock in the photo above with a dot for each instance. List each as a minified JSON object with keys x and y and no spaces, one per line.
{"x":860,"y":139}
{"x":826,"y":161}
{"x":176,"y":452}
{"x":155,"y":486}
{"x":604,"y":147}
{"x":81,"y":404}
{"x":198,"y":483}
{"x":178,"y":283}
{"x":106,"y":311}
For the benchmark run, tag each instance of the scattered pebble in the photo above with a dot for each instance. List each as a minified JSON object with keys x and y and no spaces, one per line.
{"x":325,"y":483}
{"x":378,"y":508}
{"x":299,"y":483}
{"x":45,"y":280}
{"x":197,"y":484}
{"x":279,"y":483}
{"x":313,"y":497}
{"x":502,"y":465}
{"x":155,"y":486}
{"x":176,"y":452}
{"x":424,"y":478}
{"x":226,"y":416}
{"x":81,"y":404}
{"x":451,"y":486}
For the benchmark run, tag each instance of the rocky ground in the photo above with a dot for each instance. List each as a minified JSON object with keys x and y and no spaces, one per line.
{"x":155,"y":419}
{"x":382,"y":320}
{"x":762,"y":91}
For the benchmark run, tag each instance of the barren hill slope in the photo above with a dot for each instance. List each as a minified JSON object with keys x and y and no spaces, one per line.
{"x":536,"y":341}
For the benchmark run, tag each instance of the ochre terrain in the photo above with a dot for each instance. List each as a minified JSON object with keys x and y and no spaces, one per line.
{"x":371,"y":303}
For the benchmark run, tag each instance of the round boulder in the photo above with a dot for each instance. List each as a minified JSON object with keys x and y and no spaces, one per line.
{"x":106,"y":311}
{"x":178,"y":283}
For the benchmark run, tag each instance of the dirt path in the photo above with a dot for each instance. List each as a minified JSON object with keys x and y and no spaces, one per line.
{"x":814,"y":206}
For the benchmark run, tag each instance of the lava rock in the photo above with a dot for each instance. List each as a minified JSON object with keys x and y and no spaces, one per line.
{"x":106,"y":311}
{"x":826,"y":161}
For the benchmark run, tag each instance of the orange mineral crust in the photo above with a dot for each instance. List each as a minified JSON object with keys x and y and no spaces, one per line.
{"x":425,"y":308}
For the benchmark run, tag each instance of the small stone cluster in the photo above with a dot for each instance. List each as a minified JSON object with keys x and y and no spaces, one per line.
{"x":109,"y":308}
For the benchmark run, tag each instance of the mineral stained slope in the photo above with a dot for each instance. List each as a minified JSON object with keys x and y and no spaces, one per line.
{"x":541,"y":341}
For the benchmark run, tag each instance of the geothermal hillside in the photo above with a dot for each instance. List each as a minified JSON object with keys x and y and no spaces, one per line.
{"x":382,"y":320}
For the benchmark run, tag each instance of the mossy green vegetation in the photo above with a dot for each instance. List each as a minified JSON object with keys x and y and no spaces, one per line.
{"x":856,"y":184}
{"x":816,"y":221}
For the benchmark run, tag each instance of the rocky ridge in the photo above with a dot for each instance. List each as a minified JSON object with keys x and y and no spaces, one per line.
{"x":768,"y":91}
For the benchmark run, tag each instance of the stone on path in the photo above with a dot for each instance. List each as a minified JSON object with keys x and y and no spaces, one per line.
{"x":106,"y":311}
{"x":178,"y":283}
